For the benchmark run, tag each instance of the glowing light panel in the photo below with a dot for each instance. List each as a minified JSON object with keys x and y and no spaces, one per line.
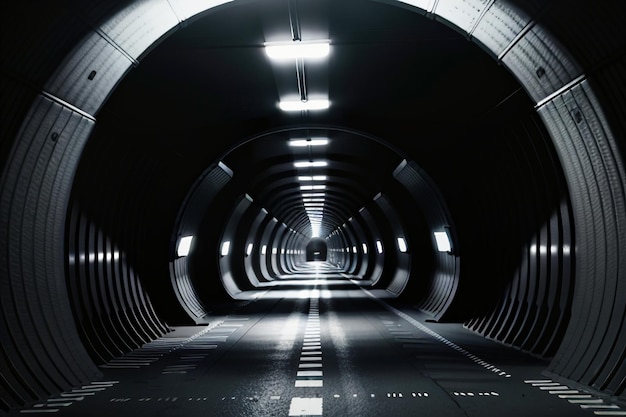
{"x":443,"y":241}
{"x":184,"y":246}
{"x":402,"y":245}
{"x":299,"y":105}
{"x":286,"y":51}
{"x":308,"y":142}
{"x":225,"y":248}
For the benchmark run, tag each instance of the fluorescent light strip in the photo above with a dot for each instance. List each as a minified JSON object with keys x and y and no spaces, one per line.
{"x":310,"y":164}
{"x":308,"y":142}
{"x":313,"y":195}
{"x":312,"y":178}
{"x":312,"y":187}
{"x":299,"y":105}
{"x":283,"y":51}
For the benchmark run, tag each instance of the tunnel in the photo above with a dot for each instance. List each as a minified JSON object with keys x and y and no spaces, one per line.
{"x":421,"y":212}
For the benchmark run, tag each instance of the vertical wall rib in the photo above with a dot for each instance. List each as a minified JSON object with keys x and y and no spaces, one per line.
{"x":113,"y":311}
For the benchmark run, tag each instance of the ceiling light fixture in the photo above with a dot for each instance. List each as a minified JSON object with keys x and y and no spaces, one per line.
{"x":312,"y":178}
{"x":288,"y":51}
{"x":310,"y":164}
{"x":308,"y":142}
{"x":300,"y":105}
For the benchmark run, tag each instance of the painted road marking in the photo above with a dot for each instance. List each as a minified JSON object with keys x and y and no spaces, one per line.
{"x":306,"y":406}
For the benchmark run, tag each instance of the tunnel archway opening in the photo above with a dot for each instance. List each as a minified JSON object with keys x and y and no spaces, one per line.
{"x":316,"y":250}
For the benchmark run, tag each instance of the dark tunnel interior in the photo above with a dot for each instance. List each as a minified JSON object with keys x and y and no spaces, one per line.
{"x":466,"y":176}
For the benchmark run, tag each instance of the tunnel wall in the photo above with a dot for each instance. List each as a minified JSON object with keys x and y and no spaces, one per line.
{"x":581,"y":102}
{"x":41,"y":350}
{"x":533,"y":282}
{"x":444,"y":280}
{"x":113,"y":312}
{"x":193,"y":211}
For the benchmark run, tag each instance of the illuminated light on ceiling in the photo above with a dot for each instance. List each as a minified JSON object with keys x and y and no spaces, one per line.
{"x":264,"y":250}
{"x":364,"y":248}
{"x":312,"y":187}
{"x":313,"y":195}
{"x":402,"y":245}
{"x":285,"y":51}
{"x":353,"y":249}
{"x":308,"y":142}
{"x":312,"y":178}
{"x":184,"y":246}
{"x":274,"y":251}
{"x":299,"y":105}
{"x":313,"y":200}
{"x":379,"y":246}
{"x":310,"y":164}
{"x":249,"y":249}
{"x":443,"y":241}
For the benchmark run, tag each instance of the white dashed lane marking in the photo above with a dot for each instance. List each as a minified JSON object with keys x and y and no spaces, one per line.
{"x":583,"y":399}
{"x":310,"y":357}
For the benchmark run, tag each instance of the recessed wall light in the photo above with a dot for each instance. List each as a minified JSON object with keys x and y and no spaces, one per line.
{"x":443,"y":241}
{"x":184,"y":246}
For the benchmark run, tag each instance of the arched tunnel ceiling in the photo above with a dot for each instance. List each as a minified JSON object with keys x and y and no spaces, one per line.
{"x":391,"y":74}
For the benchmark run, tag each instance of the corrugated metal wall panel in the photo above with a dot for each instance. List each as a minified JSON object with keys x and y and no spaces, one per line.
{"x":462,"y":14}
{"x":599,"y":308}
{"x":39,"y":338}
{"x":85,"y":79}
{"x":140,"y":25}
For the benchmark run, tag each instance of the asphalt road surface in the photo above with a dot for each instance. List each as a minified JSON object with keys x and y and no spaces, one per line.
{"x":323,"y":346}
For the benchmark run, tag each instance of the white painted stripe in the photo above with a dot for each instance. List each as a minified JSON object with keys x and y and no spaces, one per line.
{"x":310,"y":373}
{"x":311,"y":358}
{"x":310,"y":365}
{"x":610,"y":413}
{"x":306,"y":407}
{"x":304,"y":383}
{"x":315,"y":352}
{"x":599,"y":406}
{"x":563,"y":392}
{"x":587,"y":401}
